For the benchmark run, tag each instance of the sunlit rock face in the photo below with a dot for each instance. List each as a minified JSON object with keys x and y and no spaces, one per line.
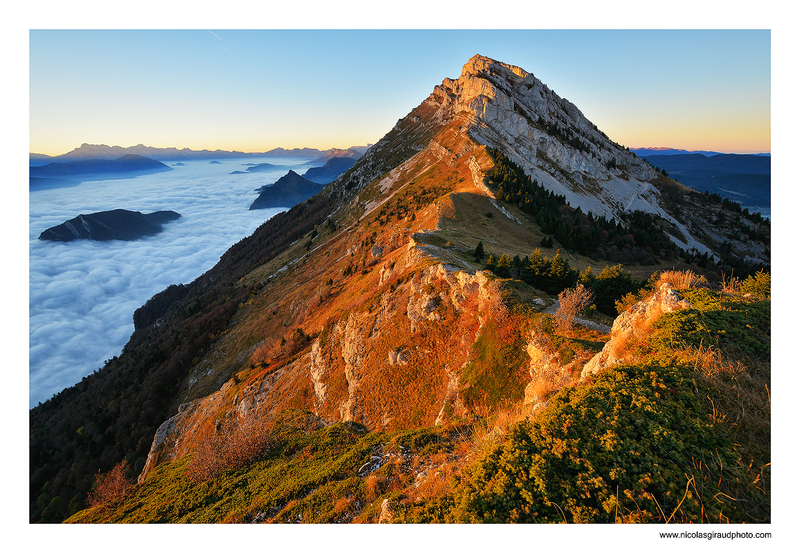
{"x":508,"y":108}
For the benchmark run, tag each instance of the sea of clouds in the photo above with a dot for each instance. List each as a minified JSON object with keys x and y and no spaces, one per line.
{"x":83,"y":293}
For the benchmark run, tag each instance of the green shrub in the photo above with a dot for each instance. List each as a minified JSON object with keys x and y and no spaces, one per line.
{"x":758,"y":285}
{"x":740,"y":328}
{"x":626,"y":448}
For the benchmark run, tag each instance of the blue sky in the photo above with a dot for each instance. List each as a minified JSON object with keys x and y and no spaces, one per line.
{"x":256,"y":90}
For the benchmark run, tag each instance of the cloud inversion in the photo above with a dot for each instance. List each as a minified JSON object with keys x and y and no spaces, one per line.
{"x":83,"y":293}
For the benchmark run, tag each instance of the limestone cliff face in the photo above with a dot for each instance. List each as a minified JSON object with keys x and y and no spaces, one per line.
{"x":497,"y":105}
{"x":508,"y":108}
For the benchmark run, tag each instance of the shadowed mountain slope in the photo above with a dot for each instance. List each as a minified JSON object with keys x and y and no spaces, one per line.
{"x":287,"y":191}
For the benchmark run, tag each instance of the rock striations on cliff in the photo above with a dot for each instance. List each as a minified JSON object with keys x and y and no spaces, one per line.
{"x":505,"y":107}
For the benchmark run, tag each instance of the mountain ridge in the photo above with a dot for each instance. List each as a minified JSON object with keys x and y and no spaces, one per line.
{"x":331,"y":170}
{"x":103,"y":151}
{"x":369,"y":306}
{"x":87,"y":168}
{"x":666,"y":151}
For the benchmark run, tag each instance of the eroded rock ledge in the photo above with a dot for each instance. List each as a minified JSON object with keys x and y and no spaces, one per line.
{"x":628,"y":324}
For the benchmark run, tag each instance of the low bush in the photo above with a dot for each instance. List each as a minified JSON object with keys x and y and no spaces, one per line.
{"x":633,"y":447}
{"x":572,"y":303}
{"x":230,"y":446}
{"x":110,"y":487}
{"x":758,"y":285}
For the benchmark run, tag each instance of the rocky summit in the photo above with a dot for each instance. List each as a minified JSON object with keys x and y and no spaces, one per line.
{"x":427,"y":340}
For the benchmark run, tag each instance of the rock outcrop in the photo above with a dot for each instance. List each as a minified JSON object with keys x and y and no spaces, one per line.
{"x":349,"y":366}
{"x":628,"y":324}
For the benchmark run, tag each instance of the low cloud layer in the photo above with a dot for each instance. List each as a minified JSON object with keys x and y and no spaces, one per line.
{"x":83,"y":293}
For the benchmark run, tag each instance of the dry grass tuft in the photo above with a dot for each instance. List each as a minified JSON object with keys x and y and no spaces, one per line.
{"x":342,"y":505}
{"x":681,"y":280}
{"x":375,"y":485}
{"x":731,"y":286}
{"x":489,"y":431}
{"x":433,"y":485}
{"x":543,"y":388}
{"x":740,"y":401}
{"x":507,"y":416}
{"x":743,"y":396}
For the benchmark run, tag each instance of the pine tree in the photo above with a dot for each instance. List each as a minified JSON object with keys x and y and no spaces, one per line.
{"x":539,"y":265}
{"x":559,"y":267}
{"x":503,"y":268}
{"x":479,"y":251}
{"x":560,"y":274}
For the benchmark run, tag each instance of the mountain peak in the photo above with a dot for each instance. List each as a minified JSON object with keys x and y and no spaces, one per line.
{"x":478,"y":64}
{"x":503,"y":106}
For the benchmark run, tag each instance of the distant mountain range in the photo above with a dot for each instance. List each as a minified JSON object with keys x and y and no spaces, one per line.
{"x":351,"y":153}
{"x":129,"y":163}
{"x":743,"y":178}
{"x":642,"y":152}
{"x":71,"y":173}
{"x":329,"y":172}
{"x":102,"y":151}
